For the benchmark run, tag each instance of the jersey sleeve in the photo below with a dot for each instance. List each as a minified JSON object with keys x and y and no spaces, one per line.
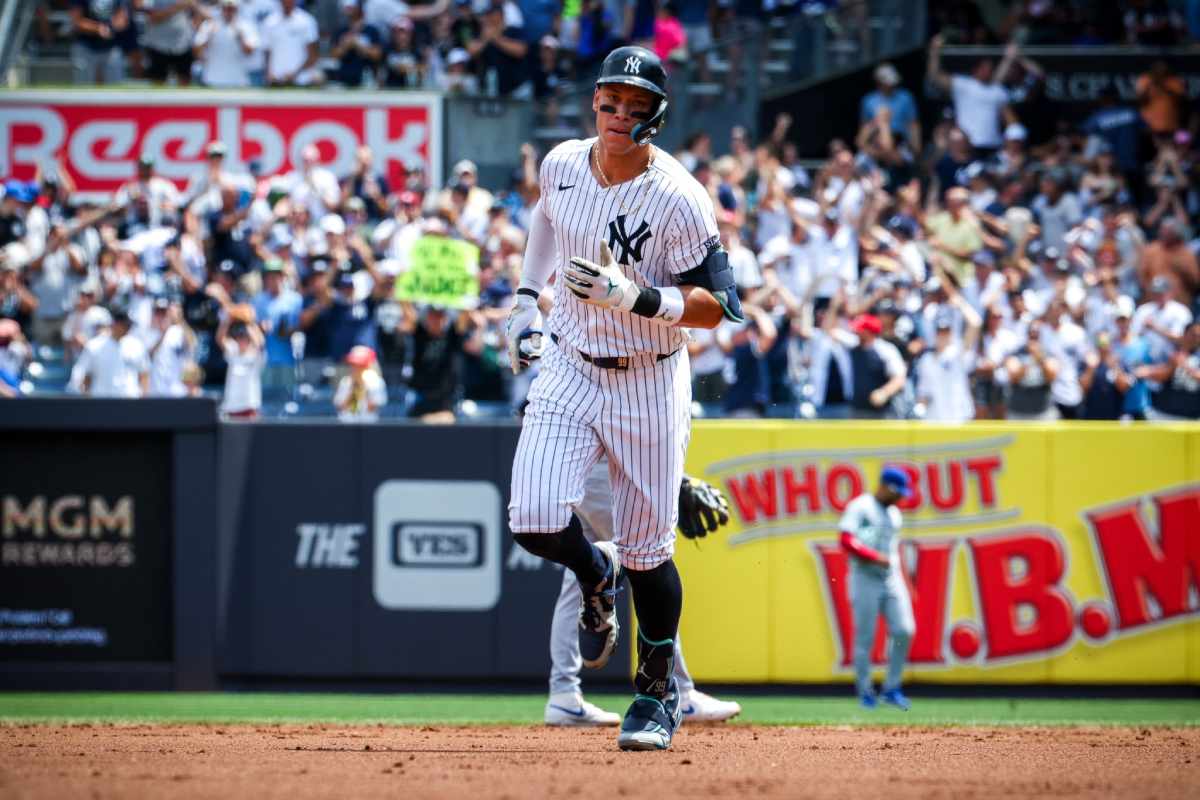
{"x":851,"y":519}
{"x":692,"y":231}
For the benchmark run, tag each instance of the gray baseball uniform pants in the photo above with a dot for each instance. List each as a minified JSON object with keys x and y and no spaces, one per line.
{"x":874,"y":591}
{"x":595,"y":512}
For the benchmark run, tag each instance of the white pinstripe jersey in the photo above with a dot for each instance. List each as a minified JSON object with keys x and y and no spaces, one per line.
{"x":657,"y":225}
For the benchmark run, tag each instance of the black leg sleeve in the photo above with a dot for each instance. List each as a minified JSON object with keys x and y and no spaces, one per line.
{"x":658,"y":601}
{"x":568,"y":547}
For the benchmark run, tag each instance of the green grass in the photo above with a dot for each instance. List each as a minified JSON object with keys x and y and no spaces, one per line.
{"x":460,"y":709}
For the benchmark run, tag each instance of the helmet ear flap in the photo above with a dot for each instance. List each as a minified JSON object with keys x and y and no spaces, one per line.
{"x":645,"y":131}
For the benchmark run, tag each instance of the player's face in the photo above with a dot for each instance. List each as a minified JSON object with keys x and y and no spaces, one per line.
{"x":618,"y":108}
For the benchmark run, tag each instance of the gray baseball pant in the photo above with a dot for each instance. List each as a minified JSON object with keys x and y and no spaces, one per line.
{"x":875,"y":591}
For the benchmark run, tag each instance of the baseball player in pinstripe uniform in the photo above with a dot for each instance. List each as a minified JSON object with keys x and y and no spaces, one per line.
{"x":633,"y":237}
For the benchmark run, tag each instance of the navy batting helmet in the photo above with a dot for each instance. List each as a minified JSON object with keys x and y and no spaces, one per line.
{"x":637,"y":66}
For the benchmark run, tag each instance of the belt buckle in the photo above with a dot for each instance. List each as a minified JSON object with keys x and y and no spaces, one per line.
{"x":622,"y":362}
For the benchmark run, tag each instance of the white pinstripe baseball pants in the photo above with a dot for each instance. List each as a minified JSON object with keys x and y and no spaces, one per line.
{"x":640,"y":417}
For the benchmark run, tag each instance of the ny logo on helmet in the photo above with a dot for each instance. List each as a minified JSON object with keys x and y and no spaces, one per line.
{"x":631,"y":246}
{"x":633,"y":64}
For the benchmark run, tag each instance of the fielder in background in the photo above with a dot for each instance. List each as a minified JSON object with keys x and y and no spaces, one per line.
{"x":702,"y":509}
{"x":870,"y":534}
{"x":633,"y":237}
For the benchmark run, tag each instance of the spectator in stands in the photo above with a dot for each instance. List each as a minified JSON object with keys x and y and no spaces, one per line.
{"x":14,"y":355}
{"x":227,"y":46}
{"x":550,"y":76}
{"x":599,"y":32}
{"x":352,"y":316}
{"x":161,"y":197}
{"x":16,"y":301}
{"x":978,"y":97}
{"x":114,"y":362}
{"x":1161,"y":94}
{"x":54,"y":277}
{"x":85,"y":319}
{"x":290,"y":40}
{"x":313,"y":186}
{"x":96,"y":56}
{"x":829,"y":364}
{"x":1176,"y":397}
{"x":1030,"y":371}
{"x":456,"y":78}
{"x":1104,"y":381}
{"x":172,"y":350}
{"x":747,"y":344}
{"x":500,"y":50}
{"x":403,"y":65}
{"x":877,"y":370}
{"x":1161,"y":321}
{"x":277,"y":309}
{"x":1057,"y":209}
{"x":29,"y":223}
{"x":368,"y":184}
{"x":1120,"y":128}
{"x":942,"y":382}
{"x":670,"y":40}
{"x":902,"y":115}
{"x":230,"y":230}
{"x":356,"y":46}
{"x":361,"y":392}
{"x":438,"y":342}
{"x":956,"y":233}
{"x":1169,"y":257}
{"x":167,"y":38}
{"x":1068,"y":342}
{"x":203,"y":193}
{"x":708,"y":367}
{"x":241,"y":342}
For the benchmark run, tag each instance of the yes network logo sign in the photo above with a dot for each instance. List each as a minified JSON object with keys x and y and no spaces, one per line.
{"x":437,"y":545}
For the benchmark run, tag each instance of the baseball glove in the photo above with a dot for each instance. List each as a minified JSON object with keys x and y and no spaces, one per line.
{"x":702,"y":508}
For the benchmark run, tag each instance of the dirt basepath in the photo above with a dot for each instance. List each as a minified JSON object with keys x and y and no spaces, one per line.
{"x":297,"y":761}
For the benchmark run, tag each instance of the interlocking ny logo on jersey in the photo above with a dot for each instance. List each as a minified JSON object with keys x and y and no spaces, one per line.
{"x":633,"y":64}
{"x":631,"y":246}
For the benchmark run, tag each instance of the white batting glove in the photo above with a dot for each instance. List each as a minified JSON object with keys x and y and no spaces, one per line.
{"x":601,"y":284}
{"x":523,"y":334}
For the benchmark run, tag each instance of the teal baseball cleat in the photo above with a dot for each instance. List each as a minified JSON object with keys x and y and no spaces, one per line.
{"x":867,"y":700}
{"x":650,"y":722}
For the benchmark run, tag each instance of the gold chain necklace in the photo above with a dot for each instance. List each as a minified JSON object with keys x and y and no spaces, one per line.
{"x":608,"y":183}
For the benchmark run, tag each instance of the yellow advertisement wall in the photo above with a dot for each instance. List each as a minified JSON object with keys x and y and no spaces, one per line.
{"x":1037,"y":554}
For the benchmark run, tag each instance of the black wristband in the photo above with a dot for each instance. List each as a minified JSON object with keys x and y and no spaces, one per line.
{"x":525,"y":290}
{"x":649,"y":300}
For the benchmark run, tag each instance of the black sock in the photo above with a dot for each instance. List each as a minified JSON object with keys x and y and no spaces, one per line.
{"x":570,"y":548}
{"x":658,"y":601}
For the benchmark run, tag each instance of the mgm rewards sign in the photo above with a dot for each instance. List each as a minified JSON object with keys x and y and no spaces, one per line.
{"x":1055,"y":554}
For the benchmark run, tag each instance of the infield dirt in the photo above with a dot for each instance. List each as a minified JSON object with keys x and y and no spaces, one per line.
{"x":302,"y":761}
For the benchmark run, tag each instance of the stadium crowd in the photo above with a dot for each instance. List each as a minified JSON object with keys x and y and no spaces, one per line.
{"x":994,"y":265}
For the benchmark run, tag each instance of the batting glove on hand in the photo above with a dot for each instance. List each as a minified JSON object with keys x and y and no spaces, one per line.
{"x":602,"y":284}
{"x":524,"y":340}
{"x":702,"y":508}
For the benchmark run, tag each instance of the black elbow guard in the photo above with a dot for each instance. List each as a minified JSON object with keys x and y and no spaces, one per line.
{"x":715,"y":275}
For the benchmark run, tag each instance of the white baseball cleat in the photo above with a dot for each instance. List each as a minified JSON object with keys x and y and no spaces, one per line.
{"x":570,"y":710}
{"x":701,"y":707}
